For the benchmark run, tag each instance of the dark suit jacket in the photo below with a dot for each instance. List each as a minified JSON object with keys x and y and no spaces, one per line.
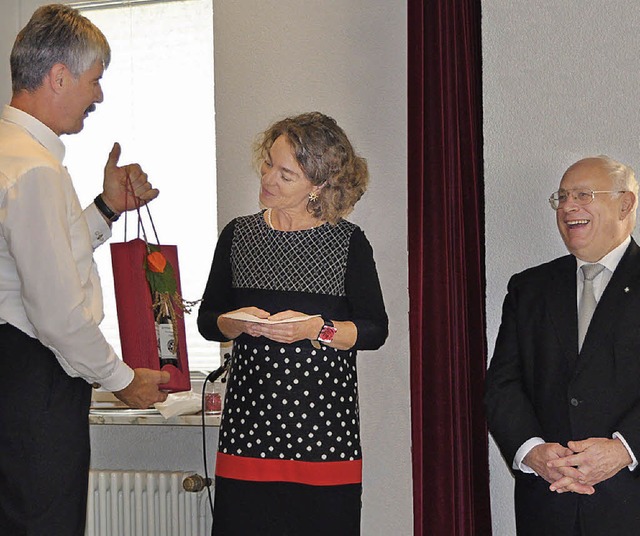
{"x":537,"y":385}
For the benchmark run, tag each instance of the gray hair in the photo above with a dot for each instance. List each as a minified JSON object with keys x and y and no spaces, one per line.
{"x":622,"y":176}
{"x":55,"y":34}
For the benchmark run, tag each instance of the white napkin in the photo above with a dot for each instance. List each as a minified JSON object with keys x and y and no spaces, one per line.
{"x":185,"y":403}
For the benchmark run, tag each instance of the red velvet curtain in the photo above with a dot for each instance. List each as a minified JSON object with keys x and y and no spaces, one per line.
{"x":446,"y":269}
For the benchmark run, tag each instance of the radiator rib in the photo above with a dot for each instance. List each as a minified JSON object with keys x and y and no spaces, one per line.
{"x":130,"y":503}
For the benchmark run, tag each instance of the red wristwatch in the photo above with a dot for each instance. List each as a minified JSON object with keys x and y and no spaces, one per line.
{"x":327,"y":332}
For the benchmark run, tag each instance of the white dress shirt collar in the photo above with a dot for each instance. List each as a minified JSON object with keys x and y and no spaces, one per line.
{"x":37,"y":129}
{"x":611,"y":260}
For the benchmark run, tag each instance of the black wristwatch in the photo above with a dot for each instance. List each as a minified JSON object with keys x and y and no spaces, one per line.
{"x":105,"y":210}
{"x":327,"y":332}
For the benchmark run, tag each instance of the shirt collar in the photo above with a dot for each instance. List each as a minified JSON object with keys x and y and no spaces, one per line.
{"x":38,"y":130}
{"x":611,"y":260}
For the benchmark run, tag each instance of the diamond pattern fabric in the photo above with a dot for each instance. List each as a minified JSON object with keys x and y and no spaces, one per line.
{"x":313,"y":260}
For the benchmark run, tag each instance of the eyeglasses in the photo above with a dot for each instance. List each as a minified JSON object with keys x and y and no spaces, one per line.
{"x":581,"y":196}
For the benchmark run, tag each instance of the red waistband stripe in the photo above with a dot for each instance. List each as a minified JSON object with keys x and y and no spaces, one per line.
{"x":270,"y":470}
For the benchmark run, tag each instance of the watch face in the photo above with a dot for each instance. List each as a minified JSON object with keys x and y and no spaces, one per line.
{"x":326,"y":334}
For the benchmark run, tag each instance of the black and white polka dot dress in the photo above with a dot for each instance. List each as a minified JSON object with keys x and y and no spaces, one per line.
{"x":291,"y":403}
{"x":290,"y":433}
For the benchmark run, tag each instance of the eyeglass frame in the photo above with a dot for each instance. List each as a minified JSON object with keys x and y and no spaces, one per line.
{"x":552,"y":202}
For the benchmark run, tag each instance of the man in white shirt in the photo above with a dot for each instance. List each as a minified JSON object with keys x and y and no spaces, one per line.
{"x":563,"y":386}
{"x":51,"y":348}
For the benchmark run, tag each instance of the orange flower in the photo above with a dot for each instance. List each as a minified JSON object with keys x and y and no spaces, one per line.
{"x":156,"y":262}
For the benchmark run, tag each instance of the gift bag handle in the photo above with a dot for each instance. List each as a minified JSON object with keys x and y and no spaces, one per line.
{"x":129,"y":189}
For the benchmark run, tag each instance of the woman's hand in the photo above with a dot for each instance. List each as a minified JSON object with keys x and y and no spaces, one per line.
{"x":279,"y":330}
{"x":290,"y":332}
{"x":232,"y":328}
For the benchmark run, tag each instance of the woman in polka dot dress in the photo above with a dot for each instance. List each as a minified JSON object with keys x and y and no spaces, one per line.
{"x":289,"y":459}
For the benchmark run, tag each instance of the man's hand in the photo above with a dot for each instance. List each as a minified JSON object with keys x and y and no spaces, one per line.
{"x":116,"y":193}
{"x":597,"y":459}
{"x":144,"y":390}
{"x":562,"y":479}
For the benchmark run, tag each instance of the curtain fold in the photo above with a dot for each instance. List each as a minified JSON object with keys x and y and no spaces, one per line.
{"x":446,"y":269}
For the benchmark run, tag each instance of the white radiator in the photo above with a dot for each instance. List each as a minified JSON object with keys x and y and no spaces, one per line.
{"x":128,"y":503}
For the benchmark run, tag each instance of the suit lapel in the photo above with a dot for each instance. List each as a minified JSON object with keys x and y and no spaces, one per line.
{"x":562,"y":298}
{"x":625,"y":279}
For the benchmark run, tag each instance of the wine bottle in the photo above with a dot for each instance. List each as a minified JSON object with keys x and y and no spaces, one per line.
{"x":167,"y":348}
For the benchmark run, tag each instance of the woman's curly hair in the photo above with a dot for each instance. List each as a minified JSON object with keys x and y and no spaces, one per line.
{"x":327,"y":157}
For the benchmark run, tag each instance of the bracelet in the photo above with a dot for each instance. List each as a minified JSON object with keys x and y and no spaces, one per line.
{"x":104,"y":209}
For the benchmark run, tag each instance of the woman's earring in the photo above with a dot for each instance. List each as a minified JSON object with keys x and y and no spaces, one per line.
{"x":313,"y":196}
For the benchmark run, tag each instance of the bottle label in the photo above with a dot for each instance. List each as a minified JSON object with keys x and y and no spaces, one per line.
{"x":166,"y":342}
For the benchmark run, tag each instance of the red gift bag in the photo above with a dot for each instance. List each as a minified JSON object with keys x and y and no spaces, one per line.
{"x":136,"y":319}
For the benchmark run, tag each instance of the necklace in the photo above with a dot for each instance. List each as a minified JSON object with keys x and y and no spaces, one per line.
{"x":317,"y":224}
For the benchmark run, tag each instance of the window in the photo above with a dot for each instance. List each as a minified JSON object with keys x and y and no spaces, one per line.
{"x":159,"y":106}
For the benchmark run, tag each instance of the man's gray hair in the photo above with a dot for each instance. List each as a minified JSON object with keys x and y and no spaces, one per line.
{"x":622,"y":176}
{"x":55,"y":34}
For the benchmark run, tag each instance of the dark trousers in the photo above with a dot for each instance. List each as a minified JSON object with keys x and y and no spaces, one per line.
{"x":577,"y":531}
{"x":44,"y":441}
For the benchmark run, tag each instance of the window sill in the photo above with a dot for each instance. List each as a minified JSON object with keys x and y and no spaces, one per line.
{"x":107,"y":409}
{"x":127,"y":417}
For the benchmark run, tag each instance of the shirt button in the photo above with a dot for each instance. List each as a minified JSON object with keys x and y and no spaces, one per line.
{"x":99,"y":235}
{"x":574,"y":402}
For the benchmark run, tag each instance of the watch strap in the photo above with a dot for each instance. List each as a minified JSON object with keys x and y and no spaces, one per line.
{"x":104,"y":209}
{"x":327,"y":332}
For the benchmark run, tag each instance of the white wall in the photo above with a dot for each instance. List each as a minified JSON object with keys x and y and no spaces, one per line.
{"x":13,"y":15}
{"x":560,"y":82}
{"x":346,"y":58}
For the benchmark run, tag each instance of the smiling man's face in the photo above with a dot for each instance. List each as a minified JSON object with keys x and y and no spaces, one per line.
{"x":591,"y":231}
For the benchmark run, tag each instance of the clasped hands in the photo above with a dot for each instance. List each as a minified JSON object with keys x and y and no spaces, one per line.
{"x":580,"y":465}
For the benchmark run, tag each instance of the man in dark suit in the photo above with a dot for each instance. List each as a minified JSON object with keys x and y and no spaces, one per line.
{"x":563,"y":386}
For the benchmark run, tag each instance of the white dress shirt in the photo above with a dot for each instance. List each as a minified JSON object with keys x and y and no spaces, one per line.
{"x":49,"y":283}
{"x":600,"y":282}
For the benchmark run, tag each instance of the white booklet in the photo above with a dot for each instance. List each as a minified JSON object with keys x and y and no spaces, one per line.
{"x":246,"y":317}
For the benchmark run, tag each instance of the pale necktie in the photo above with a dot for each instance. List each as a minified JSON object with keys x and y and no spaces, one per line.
{"x":588,"y":300}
